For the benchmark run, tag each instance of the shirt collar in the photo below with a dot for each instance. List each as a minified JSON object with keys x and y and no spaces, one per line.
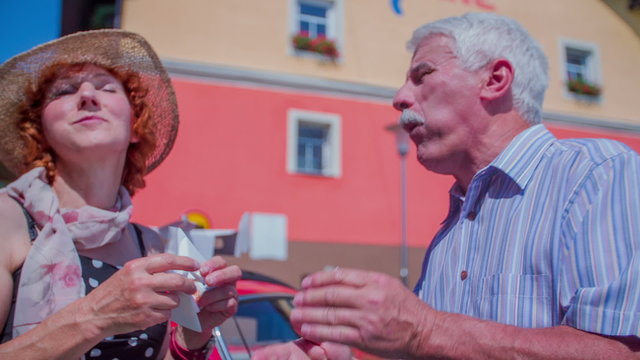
{"x":521,"y":157}
{"x":518,"y":161}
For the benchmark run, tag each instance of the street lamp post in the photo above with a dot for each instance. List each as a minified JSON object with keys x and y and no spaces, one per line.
{"x":402,"y":145}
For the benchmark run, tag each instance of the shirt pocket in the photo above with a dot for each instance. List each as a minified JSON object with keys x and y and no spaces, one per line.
{"x":515,"y":299}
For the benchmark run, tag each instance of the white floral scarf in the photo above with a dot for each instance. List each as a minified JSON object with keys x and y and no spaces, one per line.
{"x":51,"y":274}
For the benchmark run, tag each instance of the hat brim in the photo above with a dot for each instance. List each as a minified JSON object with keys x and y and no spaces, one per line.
{"x":113,"y":48}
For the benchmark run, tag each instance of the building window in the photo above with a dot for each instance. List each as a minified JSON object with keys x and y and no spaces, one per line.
{"x":312,"y":140}
{"x":80,"y":15}
{"x":577,"y":63}
{"x":314,"y":143}
{"x":316,"y":26}
{"x":313,"y":18}
{"x":581,"y":68}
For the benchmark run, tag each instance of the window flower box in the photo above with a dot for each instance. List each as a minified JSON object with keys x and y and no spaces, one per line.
{"x":321,"y":45}
{"x":583,"y":87}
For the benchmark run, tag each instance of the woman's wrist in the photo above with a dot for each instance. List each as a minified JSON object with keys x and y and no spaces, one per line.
{"x":90,"y":327}
{"x":180,"y":350}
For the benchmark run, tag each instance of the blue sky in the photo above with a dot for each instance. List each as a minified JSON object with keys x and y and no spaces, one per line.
{"x":26,"y":23}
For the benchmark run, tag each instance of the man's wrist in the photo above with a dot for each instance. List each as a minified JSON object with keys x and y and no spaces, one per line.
{"x":424,"y":342}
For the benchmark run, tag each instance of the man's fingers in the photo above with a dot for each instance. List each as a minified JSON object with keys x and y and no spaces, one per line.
{"x":326,"y":316}
{"x":288,"y":350}
{"x":337,"y":295}
{"x":335,"y":351}
{"x":349,"y":277}
{"x":333,"y":333}
{"x":313,"y":350}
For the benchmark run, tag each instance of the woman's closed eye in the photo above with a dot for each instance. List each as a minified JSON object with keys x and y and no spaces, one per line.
{"x":62,"y":90}
{"x":112,"y":88}
{"x":105,"y":83}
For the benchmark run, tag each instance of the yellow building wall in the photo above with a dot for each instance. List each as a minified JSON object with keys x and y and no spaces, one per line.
{"x":255,"y":34}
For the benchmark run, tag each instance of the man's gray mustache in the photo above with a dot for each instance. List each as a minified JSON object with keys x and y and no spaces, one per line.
{"x":410,"y":117}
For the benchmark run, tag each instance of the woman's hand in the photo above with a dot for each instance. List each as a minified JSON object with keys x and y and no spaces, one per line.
{"x":217,"y":304}
{"x":139,"y":295}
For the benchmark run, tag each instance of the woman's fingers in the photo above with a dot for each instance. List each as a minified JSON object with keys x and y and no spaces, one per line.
{"x":217,"y":294}
{"x":166,"y":301}
{"x":222,"y":276}
{"x":164,"y":262}
{"x":172,"y":282}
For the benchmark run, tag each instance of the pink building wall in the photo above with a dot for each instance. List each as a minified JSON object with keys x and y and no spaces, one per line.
{"x":230,"y":157}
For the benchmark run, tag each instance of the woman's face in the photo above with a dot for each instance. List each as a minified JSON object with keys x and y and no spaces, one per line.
{"x":87,"y":115}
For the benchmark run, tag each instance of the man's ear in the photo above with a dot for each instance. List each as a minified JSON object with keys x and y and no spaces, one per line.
{"x":500,"y":77}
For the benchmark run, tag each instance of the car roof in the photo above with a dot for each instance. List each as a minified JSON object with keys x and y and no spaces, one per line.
{"x":250,"y":287}
{"x":255,"y":283}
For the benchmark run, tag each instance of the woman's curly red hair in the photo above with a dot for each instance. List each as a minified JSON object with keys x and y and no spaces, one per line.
{"x":39,"y":153}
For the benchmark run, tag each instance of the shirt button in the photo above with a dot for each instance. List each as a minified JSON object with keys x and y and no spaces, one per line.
{"x":463,"y":275}
{"x":472,"y":215}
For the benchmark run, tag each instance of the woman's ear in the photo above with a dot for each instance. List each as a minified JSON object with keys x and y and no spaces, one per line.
{"x":500,"y":77}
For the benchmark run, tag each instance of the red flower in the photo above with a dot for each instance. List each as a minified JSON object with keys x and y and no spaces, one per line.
{"x":319,"y":44}
{"x":69,"y":275}
{"x":580,"y":86}
{"x":71,"y":216}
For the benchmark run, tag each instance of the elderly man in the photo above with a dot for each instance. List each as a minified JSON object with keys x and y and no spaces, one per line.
{"x":539,"y":256}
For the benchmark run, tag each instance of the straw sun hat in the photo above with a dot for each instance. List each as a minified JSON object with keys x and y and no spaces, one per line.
{"x":112,"y":48}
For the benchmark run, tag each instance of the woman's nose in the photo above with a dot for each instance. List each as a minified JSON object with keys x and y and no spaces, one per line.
{"x":88,"y":99}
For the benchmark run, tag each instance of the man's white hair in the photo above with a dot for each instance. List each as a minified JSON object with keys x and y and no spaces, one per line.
{"x":483,"y":37}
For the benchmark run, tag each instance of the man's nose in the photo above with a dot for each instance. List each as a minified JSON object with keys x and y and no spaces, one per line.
{"x":402,"y":99}
{"x":88,"y":99}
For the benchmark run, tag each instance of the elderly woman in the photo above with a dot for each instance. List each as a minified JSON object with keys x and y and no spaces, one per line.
{"x":83,"y":119}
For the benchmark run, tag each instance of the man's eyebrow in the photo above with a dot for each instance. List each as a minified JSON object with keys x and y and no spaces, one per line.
{"x":420,"y":67}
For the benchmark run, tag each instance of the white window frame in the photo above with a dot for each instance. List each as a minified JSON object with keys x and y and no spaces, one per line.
{"x":311,"y":19}
{"x":332,"y":152}
{"x":335,"y":16}
{"x":593,"y":73}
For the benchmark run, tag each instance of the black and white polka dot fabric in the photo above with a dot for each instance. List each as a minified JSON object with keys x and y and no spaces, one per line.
{"x":144,"y":344}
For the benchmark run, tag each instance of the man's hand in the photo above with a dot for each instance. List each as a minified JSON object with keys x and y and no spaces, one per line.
{"x":302,"y":349}
{"x":370,"y":311}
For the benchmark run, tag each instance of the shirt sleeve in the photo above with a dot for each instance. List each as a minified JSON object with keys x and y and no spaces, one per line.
{"x":599,"y":280}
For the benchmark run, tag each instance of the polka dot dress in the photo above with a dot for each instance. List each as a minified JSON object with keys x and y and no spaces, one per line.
{"x":143,"y":344}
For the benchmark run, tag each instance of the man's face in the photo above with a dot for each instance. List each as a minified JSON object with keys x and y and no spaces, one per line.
{"x":439,"y":100}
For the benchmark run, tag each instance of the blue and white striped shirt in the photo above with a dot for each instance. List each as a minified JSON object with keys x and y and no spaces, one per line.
{"x":547,"y":234}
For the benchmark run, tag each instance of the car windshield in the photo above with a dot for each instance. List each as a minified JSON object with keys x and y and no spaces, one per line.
{"x":260,"y":321}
